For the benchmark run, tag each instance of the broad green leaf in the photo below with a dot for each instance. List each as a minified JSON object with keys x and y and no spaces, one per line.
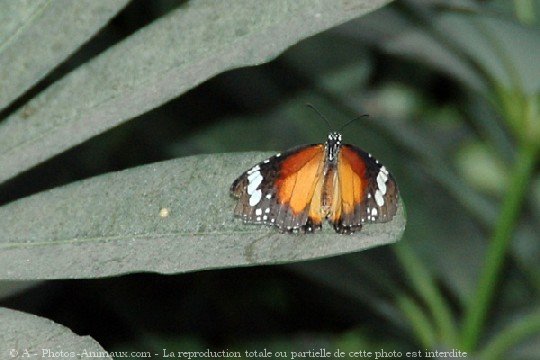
{"x":37,"y":35}
{"x":158,"y":63}
{"x":26,"y":336}
{"x":169,"y":217}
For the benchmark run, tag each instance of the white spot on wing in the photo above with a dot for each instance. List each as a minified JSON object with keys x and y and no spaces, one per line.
{"x":258,"y":212}
{"x":381,"y":182}
{"x":379,"y":198}
{"x":255,"y":198}
{"x":252,"y":176}
{"x":382,"y":187}
{"x":254,"y":169}
{"x":255,"y":180}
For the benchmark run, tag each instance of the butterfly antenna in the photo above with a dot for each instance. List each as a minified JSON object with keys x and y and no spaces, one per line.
{"x":351,"y":121}
{"x":320,"y":115}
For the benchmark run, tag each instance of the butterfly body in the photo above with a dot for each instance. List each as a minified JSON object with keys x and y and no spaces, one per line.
{"x":298,"y":190}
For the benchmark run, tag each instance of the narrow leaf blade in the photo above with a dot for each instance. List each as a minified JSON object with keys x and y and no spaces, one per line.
{"x":169,"y":217}
{"x":158,"y":63}
{"x":36,"y":36}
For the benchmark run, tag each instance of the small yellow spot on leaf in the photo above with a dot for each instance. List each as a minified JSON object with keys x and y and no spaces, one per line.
{"x":164,"y":212}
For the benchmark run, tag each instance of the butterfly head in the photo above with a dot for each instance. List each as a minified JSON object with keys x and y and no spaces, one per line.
{"x":333,"y":145}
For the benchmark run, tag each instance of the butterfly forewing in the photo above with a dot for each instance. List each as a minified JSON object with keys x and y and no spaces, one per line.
{"x":280,"y":190}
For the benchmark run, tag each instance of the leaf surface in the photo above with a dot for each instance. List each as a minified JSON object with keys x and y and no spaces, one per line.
{"x":37,"y":35}
{"x":169,"y":217}
{"x":157,"y":63}
{"x":32,"y":337}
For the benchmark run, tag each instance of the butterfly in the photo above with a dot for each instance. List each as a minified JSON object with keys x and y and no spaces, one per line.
{"x":297,"y":190}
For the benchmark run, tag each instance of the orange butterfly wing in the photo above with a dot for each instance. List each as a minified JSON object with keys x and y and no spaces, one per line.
{"x":365,"y":191}
{"x":297,"y":190}
{"x":283,"y":190}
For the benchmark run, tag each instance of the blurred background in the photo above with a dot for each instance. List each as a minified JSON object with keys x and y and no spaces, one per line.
{"x":452,"y":93}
